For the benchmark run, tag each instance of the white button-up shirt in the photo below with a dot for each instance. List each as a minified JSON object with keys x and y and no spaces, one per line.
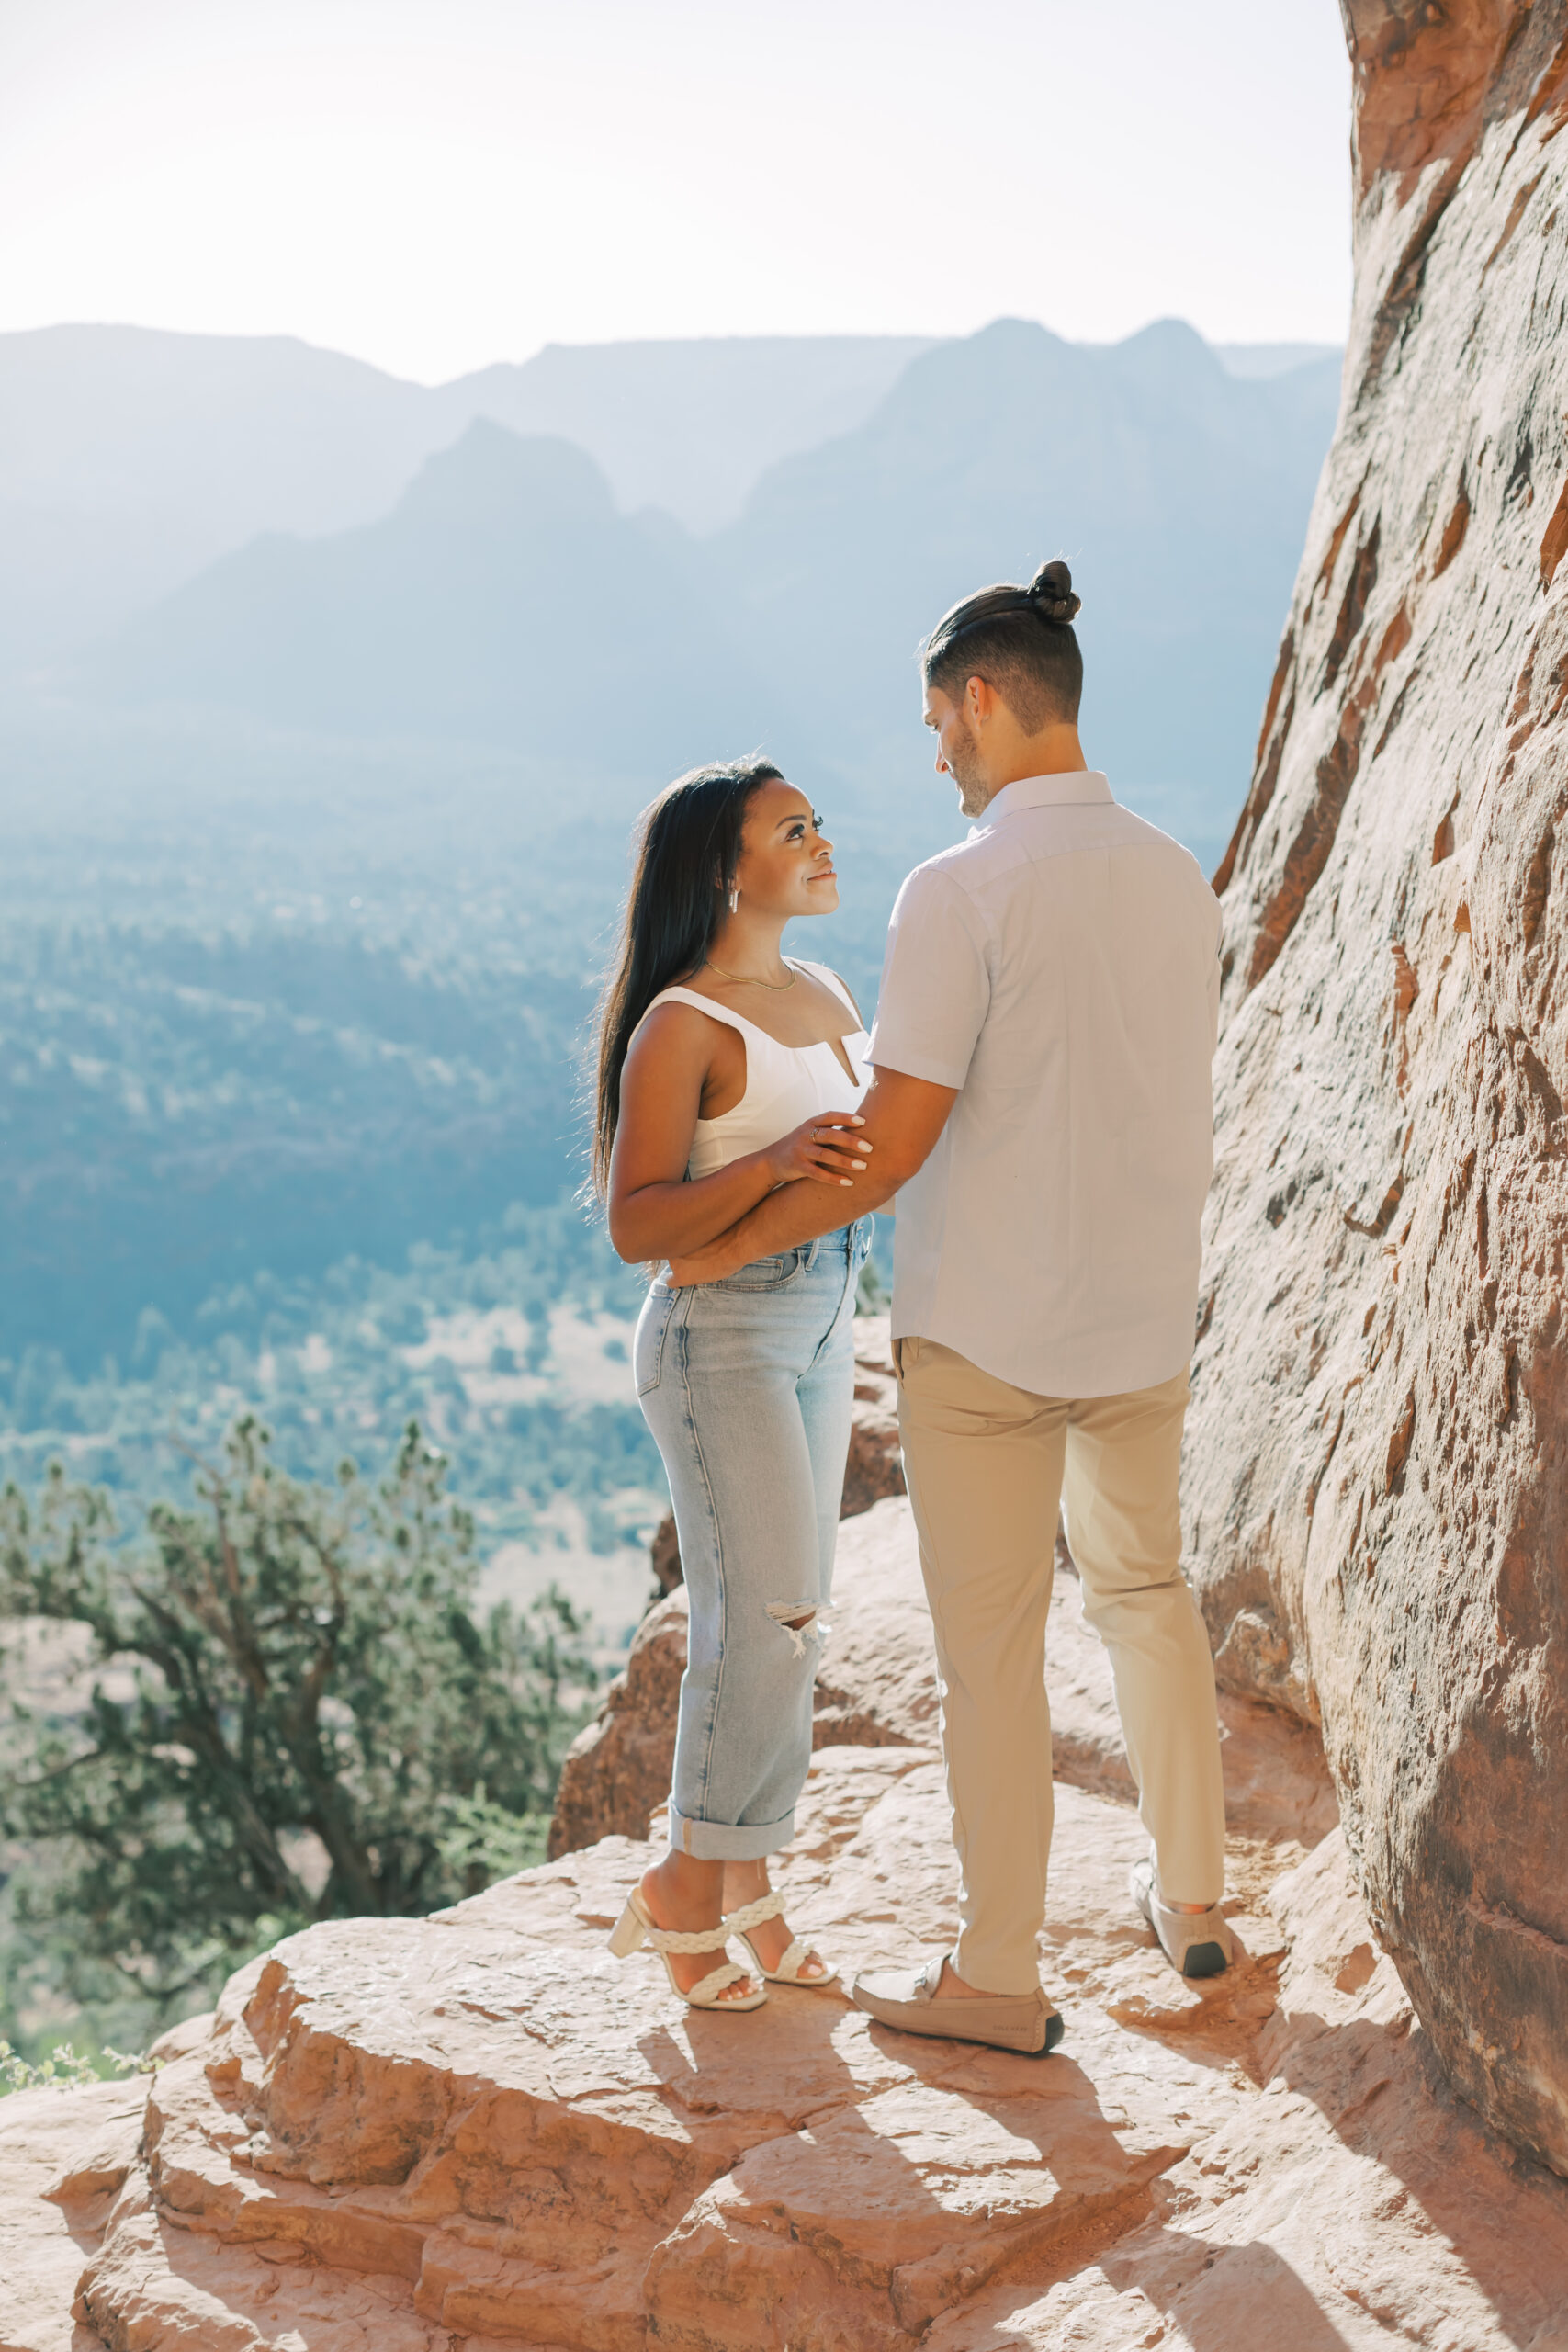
{"x":1060,"y":967}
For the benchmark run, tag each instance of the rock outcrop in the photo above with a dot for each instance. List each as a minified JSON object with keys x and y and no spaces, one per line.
{"x":1378,"y":1449}
{"x":617,"y":1769}
{"x":875,"y":1466}
{"x":64,"y":2158}
{"x":478,"y":2132}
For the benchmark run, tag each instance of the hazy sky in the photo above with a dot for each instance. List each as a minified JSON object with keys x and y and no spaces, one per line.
{"x":435,"y":184}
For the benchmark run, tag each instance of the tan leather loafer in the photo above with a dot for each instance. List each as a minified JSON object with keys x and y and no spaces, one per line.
{"x":906,"y":1998}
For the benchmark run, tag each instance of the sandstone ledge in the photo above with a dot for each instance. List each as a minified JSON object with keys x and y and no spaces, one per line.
{"x":478,"y":2131}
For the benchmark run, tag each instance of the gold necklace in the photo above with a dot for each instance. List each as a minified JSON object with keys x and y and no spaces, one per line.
{"x":748,"y":979}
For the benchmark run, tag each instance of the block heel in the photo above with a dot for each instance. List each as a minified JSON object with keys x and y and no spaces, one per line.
{"x":628,"y":1934}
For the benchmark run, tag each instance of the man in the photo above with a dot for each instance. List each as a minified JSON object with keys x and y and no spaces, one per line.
{"x":1041,"y":1108}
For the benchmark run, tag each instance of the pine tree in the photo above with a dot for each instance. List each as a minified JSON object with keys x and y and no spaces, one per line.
{"x":286,"y":1673}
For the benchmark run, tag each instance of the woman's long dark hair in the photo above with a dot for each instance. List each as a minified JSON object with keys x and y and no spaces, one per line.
{"x":688,"y":846}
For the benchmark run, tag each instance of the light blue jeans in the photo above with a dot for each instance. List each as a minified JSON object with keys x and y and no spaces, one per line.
{"x":746,"y":1385}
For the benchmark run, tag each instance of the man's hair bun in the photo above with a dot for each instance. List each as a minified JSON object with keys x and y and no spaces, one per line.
{"x":1051,"y":594}
{"x":1038,"y":671}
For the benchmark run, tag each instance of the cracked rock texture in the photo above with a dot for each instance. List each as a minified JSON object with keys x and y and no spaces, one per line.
{"x":1377,"y":1471}
{"x":478,"y":2131}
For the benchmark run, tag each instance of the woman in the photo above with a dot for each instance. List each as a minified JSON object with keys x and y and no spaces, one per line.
{"x":723,"y":1071}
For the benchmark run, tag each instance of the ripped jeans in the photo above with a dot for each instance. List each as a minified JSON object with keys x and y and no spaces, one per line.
{"x":746,"y":1386}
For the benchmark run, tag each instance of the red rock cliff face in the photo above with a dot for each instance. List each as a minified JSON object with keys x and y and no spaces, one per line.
{"x":1379,"y":1445}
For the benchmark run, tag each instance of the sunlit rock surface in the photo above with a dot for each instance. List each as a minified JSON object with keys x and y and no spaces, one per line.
{"x":480,"y":2130}
{"x":64,"y":2158}
{"x":1378,"y":1451}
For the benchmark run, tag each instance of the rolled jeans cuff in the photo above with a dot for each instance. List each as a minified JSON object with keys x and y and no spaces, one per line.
{"x":727,"y":1841}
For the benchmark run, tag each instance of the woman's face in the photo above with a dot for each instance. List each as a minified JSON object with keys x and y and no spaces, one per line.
{"x":786,"y":861}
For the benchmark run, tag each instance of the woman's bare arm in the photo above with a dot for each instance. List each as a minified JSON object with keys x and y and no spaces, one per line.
{"x":654,"y":1212}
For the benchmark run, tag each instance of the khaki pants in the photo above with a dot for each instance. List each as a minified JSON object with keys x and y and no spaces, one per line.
{"x":986,"y":1465}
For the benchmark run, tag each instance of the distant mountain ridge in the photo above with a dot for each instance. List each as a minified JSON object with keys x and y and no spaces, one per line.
{"x":505,"y":598}
{"x":1262,"y":359}
{"x":1177,"y":491}
{"x":691,"y":426}
{"x":131,"y":458}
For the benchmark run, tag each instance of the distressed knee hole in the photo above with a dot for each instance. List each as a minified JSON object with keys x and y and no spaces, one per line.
{"x":796,"y":1617}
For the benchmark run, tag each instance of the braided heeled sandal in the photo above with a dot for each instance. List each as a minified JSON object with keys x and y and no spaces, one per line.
{"x":634,"y":1928}
{"x":751,"y":1915}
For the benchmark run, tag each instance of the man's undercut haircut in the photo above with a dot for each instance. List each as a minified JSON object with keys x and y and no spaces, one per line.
{"x":1022,"y":641}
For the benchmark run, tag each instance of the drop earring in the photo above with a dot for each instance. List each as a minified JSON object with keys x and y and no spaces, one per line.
{"x":734,"y":901}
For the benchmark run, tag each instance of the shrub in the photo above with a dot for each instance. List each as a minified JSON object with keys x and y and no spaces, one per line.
{"x":289,"y":1670}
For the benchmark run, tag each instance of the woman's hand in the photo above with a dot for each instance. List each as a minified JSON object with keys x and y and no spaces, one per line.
{"x":825,"y":1149}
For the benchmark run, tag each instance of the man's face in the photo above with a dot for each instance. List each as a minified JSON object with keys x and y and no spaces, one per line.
{"x":958,"y":750}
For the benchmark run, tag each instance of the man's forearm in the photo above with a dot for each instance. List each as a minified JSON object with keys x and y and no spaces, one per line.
{"x":799,"y":1212}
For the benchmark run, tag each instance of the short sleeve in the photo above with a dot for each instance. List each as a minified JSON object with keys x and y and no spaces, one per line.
{"x":936,"y":982}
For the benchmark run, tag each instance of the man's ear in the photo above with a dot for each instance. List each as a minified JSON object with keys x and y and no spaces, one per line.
{"x":979,"y":700}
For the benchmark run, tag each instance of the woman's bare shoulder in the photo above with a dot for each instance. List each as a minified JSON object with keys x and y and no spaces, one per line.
{"x":676,"y":1026}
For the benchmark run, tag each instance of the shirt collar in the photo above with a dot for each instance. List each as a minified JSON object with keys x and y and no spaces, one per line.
{"x":1075,"y":788}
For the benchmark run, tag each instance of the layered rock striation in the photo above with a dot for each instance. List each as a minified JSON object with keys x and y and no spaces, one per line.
{"x":1377,"y":1459}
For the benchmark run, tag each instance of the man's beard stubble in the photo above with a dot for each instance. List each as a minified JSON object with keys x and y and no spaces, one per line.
{"x":974,"y":793}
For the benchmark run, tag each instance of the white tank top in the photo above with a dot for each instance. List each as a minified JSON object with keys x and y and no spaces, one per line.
{"x":785,"y":1084}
